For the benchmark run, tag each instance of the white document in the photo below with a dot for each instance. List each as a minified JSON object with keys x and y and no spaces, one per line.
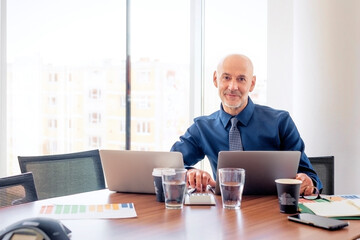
{"x":344,"y":208}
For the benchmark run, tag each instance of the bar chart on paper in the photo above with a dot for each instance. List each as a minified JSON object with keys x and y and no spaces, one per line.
{"x":76,"y":211}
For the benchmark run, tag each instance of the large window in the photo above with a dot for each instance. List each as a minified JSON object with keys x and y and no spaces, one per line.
{"x":66,"y":69}
{"x":65,"y":62}
{"x":160,"y":55}
{"x":234,"y":27}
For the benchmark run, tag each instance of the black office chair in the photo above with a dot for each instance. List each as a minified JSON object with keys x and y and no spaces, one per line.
{"x":65,"y":174}
{"x":324,"y":167}
{"x":17,"y":189}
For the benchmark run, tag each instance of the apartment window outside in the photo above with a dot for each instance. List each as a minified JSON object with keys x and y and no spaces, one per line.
{"x":95,"y":118}
{"x":52,"y":123}
{"x":94,"y":142}
{"x":52,"y":101}
{"x":171,"y":78}
{"x":95,"y":94}
{"x":143,"y":127}
{"x":143,"y":102}
{"x":77,"y":78}
{"x":50,"y":146}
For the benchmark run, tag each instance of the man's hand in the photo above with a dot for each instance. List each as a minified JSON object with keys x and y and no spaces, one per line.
{"x":307,"y":186}
{"x":199,"y":179}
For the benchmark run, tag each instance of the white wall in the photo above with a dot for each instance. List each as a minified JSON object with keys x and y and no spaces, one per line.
{"x":280,"y":54}
{"x":325,"y":60}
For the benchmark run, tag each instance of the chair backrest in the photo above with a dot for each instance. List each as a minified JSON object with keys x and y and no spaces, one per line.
{"x":65,"y":174}
{"x":324,"y":167}
{"x":17,"y":189}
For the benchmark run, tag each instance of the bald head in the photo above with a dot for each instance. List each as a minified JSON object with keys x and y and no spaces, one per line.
{"x":236,"y":60}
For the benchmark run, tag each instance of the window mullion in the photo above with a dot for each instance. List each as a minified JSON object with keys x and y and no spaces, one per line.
{"x":196,"y":61}
{"x":196,"y":91}
{"x":3,"y":88}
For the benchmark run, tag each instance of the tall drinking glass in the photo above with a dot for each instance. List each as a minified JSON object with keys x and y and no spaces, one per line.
{"x":232,"y":182}
{"x":174,"y":185}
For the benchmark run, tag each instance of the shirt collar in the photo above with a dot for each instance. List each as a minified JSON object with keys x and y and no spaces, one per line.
{"x":244,"y":116}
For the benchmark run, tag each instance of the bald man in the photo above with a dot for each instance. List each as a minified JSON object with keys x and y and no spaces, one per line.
{"x":261,"y":127}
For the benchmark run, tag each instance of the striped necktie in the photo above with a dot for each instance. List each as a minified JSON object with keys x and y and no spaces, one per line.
{"x":234,"y":136}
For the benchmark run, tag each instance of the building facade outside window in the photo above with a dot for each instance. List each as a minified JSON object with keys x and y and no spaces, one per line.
{"x":66,"y":88}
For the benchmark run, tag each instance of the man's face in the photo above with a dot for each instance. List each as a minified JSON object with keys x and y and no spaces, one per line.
{"x":234,"y":79}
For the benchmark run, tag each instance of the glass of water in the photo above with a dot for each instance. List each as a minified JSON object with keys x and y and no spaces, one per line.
{"x":174,"y":185}
{"x":232,"y":182}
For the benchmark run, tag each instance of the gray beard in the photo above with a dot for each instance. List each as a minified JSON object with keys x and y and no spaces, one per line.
{"x":232,"y":106}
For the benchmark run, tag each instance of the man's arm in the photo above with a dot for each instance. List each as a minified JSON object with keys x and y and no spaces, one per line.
{"x":189,"y":146}
{"x":291,"y":140}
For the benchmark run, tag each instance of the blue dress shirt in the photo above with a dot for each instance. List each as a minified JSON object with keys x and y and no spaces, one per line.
{"x":262,"y":129}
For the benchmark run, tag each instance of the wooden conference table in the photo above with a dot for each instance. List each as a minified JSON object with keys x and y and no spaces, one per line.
{"x":258,"y":218}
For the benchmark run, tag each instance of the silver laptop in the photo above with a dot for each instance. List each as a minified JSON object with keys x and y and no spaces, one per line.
{"x":131,"y":171}
{"x":261,"y":168}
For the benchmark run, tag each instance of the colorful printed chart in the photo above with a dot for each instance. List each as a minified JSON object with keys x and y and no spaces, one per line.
{"x":115,"y":210}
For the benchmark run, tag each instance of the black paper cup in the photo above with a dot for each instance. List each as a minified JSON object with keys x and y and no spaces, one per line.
{"x":288,"y":193}
{"x":158,"y":184}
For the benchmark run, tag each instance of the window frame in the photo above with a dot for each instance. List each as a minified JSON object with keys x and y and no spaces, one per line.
{"x":3,"y":92}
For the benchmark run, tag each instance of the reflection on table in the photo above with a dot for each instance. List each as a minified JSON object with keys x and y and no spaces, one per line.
{"x":258,"y":218}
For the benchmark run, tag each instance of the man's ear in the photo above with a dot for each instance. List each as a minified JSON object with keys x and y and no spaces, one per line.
{"x":215,"y":79}
{"x":253,"y":82}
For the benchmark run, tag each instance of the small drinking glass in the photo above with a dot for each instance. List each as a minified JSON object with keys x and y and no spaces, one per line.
{"x":174,"y":186}
{"x":232,"y":182}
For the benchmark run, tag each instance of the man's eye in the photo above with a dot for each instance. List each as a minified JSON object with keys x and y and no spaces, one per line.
{"x":226,"y":77}
{"x":241,"y":79}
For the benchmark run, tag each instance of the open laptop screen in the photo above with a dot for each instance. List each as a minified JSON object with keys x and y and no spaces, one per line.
{"x":261,"y":168}
{"x":131,"y":171}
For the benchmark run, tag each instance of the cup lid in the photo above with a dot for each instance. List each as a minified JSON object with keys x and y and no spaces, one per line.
{"x":288,"y":181}
{"x":158,"y":171}
{"x":168,"y":172}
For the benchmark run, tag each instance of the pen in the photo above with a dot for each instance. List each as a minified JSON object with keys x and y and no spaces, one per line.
{"x":211,"y":189}
{"x":353,"y":204}
{"x":326,"y":198}
{"x":191,"y":190}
